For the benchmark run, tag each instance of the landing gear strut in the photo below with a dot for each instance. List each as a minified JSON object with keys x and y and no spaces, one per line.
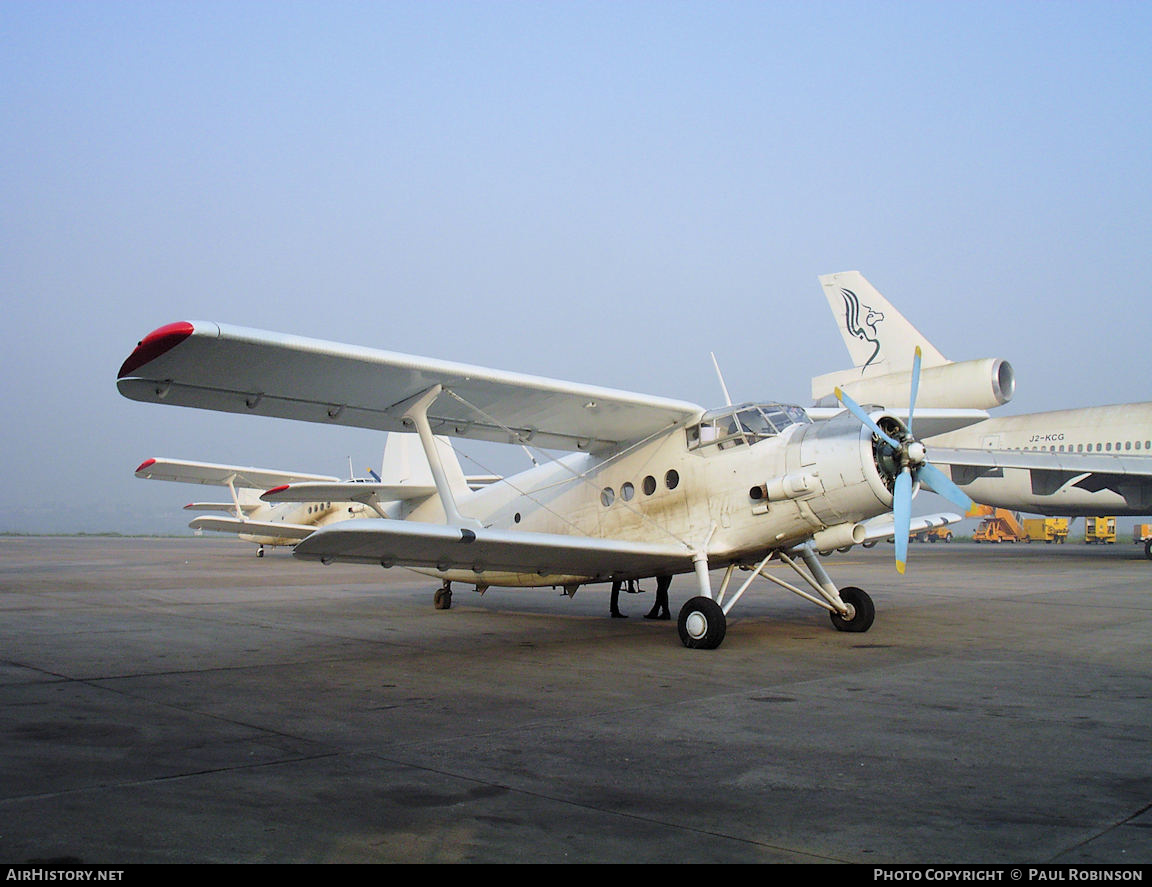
{"x":703,"y":619}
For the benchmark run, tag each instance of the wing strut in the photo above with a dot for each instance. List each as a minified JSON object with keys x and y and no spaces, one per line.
{"x":416,"y":413}
{"x":235,"y":497}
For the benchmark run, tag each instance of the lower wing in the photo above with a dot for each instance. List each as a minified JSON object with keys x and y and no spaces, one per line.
{"x":444,"y":548}
{"x":272,"y":529}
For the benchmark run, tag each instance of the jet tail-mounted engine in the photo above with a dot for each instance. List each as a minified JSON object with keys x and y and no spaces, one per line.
{"x":969,"y":384}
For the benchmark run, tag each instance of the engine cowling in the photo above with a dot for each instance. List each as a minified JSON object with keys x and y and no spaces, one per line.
{"x":856,"y":471}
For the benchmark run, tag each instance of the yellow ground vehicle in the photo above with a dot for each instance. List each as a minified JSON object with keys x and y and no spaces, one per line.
{"x":1046,"y":529}
{"x":1099,"y":530}
{"x":999,"y":525}
{"x":935,"y":534}
{"x":1142,"y":534}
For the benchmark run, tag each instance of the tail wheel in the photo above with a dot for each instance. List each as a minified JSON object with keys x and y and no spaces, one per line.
{"x":702,"y":624}
{"x":863,"y":611}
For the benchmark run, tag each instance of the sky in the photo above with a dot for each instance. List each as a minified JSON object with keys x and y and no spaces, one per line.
{"x":602,"y":192}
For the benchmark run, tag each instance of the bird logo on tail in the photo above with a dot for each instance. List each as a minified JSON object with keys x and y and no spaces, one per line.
{"x":865,"y":329}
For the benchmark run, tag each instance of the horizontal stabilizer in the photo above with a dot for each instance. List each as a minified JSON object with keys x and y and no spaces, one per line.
{"x":442,"y":547}
{"x":884,"y":527}
{"x":930,"y":421}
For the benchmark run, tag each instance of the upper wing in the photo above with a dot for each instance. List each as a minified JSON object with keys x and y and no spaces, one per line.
{"x":237,"y":370}
{"x":441,"y":547}
{"x":223,"y":475}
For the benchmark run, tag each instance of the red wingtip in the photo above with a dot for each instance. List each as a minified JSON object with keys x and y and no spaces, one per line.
{"x":156,"y":343}
{"x":147,"y":463}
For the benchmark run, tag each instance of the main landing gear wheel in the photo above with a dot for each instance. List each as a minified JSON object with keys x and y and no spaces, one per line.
{"x":442,"y":600}
{"x":702,"y":624}
{"x":863,"y":612}
{"x":1148,"y":549}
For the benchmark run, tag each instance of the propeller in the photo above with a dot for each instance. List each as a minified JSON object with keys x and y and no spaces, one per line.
{"x":912,"y":458}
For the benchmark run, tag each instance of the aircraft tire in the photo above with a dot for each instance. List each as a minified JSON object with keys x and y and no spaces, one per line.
{"x":1148,"y":549}
{"x":701,"y":624}
{"x":442,"y":600}
{"x":865,"y":613}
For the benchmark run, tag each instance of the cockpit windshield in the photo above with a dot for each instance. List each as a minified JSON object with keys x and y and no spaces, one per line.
{"x":744,"y":424}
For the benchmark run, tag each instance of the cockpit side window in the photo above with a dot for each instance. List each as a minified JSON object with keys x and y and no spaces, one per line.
{"x":746,"y":424}
{"x":754,"y":423}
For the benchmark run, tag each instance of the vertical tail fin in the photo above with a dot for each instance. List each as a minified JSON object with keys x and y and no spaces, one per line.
{"x":405,"y":463}
{"x":879,"y":338}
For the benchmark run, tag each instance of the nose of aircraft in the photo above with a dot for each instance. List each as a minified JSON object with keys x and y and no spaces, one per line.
{"x":912,"y":456}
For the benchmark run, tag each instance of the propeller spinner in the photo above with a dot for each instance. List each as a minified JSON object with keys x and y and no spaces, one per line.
{"x":912,"y":458}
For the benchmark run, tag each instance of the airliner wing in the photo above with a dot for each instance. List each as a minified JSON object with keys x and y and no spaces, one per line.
{"x":222,"y":475}
{"x":271,"y":529}
{"x":1044,"y":460}
{"x":233,"y":369}
{"x":1127,"y":475}
{"x":441,"y":547}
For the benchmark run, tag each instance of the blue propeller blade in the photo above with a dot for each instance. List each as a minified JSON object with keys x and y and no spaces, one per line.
{"x":936,"y":480}
{"x":902,"y":516}
{"x":915,"y":386}
{"x":858,"y":411}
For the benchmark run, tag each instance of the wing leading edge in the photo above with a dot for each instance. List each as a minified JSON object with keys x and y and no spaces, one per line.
{"x":238,"y":370}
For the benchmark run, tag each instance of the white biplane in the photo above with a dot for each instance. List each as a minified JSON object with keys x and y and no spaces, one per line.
{"x":246,"y":516}
{"x":647,"y":487}
{"x":271,"y":507}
